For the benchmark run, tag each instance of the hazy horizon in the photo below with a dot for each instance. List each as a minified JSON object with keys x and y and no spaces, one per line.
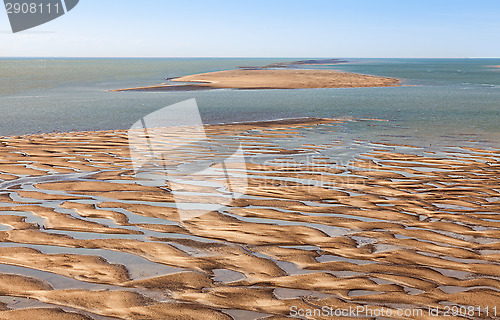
{"x":242,"y":57}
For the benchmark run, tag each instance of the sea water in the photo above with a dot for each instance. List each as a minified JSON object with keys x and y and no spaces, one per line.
{"x":441,"y":101}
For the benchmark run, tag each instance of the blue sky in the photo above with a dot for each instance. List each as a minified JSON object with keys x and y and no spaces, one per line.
{"x":272,"y":28}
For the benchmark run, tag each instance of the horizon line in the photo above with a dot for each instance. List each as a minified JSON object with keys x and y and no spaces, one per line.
{"x":225,"y":57}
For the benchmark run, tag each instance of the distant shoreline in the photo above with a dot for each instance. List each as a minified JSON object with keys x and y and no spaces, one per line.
{"x":274,"y":76}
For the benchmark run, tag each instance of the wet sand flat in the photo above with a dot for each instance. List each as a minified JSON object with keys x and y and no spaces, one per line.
{"x":83,"y":237}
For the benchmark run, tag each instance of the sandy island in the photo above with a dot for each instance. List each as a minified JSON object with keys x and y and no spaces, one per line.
{"x":271,"y":79}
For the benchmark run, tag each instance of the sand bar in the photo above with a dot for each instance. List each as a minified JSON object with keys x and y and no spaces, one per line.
{"x":272,"y":79}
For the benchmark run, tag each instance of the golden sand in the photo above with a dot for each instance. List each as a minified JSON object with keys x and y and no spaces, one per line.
{"x":394,"y":229}
{"x":273,"y":79}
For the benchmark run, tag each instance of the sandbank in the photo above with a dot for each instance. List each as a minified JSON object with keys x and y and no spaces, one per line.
{"x":272,"y":79}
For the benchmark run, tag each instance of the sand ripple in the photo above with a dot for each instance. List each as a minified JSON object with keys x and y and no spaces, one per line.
{"x":82,"y":237}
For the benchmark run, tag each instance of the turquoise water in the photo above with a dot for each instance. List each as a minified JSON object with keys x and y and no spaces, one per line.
{"x":446,"y":101}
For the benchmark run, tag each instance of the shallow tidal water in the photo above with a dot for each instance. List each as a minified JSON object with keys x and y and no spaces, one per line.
{"x":441,"y":100}
{"x":394,"y":204}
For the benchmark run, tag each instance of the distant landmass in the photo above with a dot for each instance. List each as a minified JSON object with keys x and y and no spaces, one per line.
{"x":294,"y":64}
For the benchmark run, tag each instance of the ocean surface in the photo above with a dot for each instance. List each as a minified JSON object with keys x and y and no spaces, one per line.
{"x":443,"y":102}
{"x":352,"y":201}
